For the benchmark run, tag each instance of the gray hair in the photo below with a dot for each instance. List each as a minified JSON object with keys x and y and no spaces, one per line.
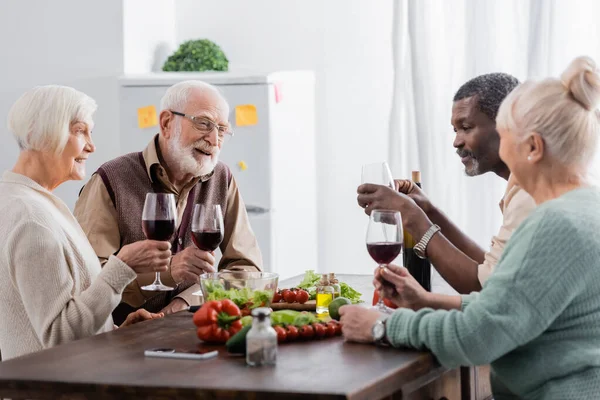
{"x":563,"y":111}
{"x":176,"y":97}
{"x":490,"y":89}
{"x":41,"y":118}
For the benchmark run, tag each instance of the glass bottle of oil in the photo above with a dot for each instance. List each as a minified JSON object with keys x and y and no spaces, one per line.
{"x":324,"y":295}
{"x":335,"y":284}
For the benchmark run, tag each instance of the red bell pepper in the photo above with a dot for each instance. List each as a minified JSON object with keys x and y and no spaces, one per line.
{"x":387,"y":302}
{"x":217,"y":321}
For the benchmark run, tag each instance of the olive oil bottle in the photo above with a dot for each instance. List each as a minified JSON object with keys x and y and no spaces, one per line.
{"x":324,"y":295}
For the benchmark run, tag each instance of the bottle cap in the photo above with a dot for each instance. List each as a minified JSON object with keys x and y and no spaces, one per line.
{"x":261,"y":313}
{"x":416,"y":176}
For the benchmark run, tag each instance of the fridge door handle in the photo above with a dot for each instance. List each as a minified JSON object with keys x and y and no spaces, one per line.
{"x":256,"y":210}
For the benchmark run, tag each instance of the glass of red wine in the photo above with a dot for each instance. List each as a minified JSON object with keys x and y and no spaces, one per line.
{"x":207,"y":226}
{"x":158,"y":222}
{"x":384,"y":242}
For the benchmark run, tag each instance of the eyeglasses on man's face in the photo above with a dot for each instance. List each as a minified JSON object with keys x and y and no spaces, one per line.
{"x":205,"y":125}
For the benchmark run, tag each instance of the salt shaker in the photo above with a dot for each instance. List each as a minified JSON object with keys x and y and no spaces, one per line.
{"x":261,"y":341}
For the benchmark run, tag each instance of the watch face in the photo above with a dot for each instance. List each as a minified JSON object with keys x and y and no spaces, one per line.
{"x":378,"y":330}
{"x":418,"y":252}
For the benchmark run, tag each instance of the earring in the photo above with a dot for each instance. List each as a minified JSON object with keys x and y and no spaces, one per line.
{"x":528,"y":158}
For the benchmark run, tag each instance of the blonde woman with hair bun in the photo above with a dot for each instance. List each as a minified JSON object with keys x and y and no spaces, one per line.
{"x":537,"y":318}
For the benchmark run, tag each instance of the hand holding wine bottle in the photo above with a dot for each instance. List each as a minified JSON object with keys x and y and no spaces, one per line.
{"x":412,"y":190}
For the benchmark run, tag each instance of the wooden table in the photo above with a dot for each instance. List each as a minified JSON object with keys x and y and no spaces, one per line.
{"x":112,"y":365}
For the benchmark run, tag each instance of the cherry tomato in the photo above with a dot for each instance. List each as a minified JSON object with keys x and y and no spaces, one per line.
{"x":302,"y":296}
{"x":281,"y":334}
{"x":283,"y":293}
{"x":320,"y":330}
{"x":292,"y":333}
{"x":331,"y":329}
{"x":277,"y":297}
{"x":290,"y":296}
{"x":338,"y":327}
{"x":307,"y":332}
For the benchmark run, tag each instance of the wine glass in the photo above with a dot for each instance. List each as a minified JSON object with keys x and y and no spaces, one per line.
{"x":384,"y":242}
{"x":158,"y":222}
{"x":207,"y":229}
{"x":207,"y":226}
{"x":378,"y":173}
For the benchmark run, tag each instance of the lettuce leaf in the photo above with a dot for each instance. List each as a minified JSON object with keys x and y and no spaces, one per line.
{"x":243,"y":298}
{"x":311,"y":279}
{"x":349,"y":293}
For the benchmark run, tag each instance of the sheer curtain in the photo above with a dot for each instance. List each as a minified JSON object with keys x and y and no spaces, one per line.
{"x":438,"y":46}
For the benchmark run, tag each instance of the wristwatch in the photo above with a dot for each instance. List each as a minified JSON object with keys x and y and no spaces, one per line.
{"x":420,"y":248}
{"x":378,"y":332}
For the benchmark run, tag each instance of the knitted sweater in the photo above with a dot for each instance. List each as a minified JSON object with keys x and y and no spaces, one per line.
{"x":537,"y":319}
{"x":52,"y":289}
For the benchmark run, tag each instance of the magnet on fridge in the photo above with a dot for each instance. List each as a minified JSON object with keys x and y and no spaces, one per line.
{"x":278,"y":92}
{"x":242,"y":165}
{"x":246,"y":115}
{"x":147,"y":117}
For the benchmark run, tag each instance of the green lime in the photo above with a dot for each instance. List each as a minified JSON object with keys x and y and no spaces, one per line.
{"x":334,"y":307}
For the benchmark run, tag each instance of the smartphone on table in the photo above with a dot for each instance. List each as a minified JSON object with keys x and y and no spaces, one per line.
{"x":182,"y":354}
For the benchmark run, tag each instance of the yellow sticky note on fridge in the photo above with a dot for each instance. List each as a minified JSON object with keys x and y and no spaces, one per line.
{"x":246,"y":115}
{"x":147,"y":117}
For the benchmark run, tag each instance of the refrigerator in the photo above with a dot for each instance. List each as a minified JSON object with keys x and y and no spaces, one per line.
{"x":271,"y":156}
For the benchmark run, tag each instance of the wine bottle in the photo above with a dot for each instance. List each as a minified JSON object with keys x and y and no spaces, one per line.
{"x":419,"y":268}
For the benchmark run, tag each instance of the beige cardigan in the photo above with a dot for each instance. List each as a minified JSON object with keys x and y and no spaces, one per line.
{"x":52,"y":288}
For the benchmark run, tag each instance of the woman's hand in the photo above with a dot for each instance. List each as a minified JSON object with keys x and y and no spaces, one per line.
{"x":400,"y":287}
{"x":139,"y":316}
{"x":357,"y":323}
{"x":146,"y":256}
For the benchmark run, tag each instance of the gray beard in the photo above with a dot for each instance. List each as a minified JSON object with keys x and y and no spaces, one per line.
{"x":473,"y":169}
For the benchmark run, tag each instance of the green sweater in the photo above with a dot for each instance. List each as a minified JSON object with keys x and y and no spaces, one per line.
{"x":537,"y":319}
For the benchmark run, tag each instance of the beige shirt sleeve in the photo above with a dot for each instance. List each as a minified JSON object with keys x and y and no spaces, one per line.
{"x":517,"y":205}
{"x":97,"y":216}
{"x":239,"y":247}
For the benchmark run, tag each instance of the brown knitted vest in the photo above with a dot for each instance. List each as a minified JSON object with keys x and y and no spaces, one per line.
{"x":127,"y":182}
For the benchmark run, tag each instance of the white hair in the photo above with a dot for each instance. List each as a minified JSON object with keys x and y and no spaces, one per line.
{"x":41,"y":118}
{"x":176,"y":97}
{"x":563,"y":111}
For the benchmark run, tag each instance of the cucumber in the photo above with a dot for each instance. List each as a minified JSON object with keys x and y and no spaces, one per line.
{"x":237,"y":343}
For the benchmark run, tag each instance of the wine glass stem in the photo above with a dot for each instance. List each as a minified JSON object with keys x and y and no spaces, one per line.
{"x":380,"y":301}
{"x":157,"y":279}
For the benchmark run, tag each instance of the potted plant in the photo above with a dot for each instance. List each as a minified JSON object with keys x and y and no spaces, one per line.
{"x":197,"y":55}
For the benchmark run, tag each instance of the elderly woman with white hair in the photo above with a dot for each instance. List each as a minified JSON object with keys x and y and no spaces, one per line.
{"x":52,"y":288}
{"x":537,"y":319}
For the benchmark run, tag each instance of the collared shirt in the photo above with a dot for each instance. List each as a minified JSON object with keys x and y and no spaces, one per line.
{"x":97,"y":216}
{"x":516,"y":205}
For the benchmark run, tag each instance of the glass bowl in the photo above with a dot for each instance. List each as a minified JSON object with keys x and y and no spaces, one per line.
{"x":248,"y":290}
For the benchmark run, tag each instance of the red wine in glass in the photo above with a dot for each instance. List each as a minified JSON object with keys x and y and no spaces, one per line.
{"x":207,"y":226}
{"x":159,"y":229}
{"x":158,"y":223}
{"x":384,"y":242}
{"x":384,"y":252}
{"x":207,"y":240}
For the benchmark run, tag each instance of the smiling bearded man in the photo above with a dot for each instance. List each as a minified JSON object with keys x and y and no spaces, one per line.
{"x":183,"y":160}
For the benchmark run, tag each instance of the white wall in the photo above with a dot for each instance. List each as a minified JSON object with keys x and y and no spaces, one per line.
{"x":65,"y":42}
{"x":148,"y":34}
{"x":347,"y":44}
